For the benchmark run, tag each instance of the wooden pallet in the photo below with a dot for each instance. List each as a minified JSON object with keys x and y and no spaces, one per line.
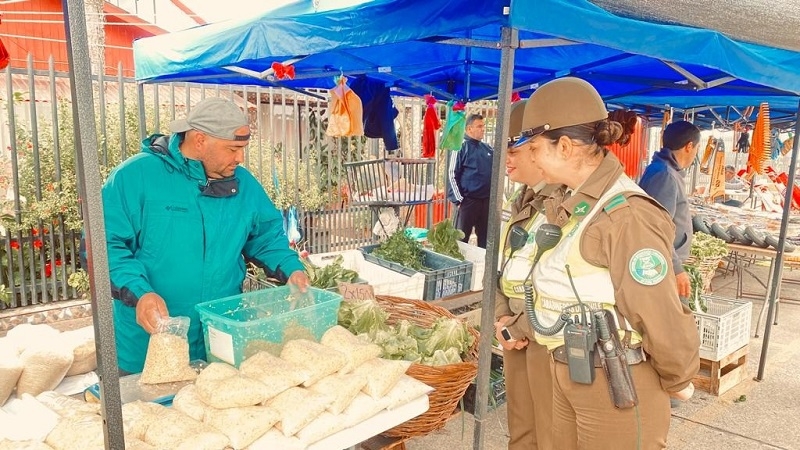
{"x":717,"y":377}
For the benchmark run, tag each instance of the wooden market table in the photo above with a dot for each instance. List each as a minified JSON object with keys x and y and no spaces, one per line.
{"x":736,"y":251}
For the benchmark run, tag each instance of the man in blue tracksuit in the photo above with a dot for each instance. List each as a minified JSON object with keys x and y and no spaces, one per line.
{"x":181,"y":219}
{"x":470,"y":179}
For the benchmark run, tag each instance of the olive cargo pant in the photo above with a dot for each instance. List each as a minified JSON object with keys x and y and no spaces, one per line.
{"x":584,"y":417}
{"x":529,"y":395}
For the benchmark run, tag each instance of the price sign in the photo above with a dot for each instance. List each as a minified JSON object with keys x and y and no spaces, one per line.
{"x":351,"y":291}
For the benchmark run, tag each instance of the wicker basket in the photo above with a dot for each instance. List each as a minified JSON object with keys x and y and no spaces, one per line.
{"x":450,"y":381}
{"x":707,"y":268}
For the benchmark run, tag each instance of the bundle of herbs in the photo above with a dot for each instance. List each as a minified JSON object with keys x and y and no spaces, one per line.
{"x":401,"y":249}
{"x":444,"y":238}
{"x":329,"y":276}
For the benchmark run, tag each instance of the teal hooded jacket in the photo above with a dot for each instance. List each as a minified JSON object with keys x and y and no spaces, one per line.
{"x":172,"y":231}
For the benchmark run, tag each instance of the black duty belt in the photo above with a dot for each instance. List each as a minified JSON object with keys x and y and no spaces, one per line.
{"x":632,"y":355}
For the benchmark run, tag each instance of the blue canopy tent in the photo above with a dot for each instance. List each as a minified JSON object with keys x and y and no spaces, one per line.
{"x":451,"y":50}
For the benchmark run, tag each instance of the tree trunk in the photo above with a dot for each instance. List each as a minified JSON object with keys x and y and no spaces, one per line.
{"x":95,"y":29}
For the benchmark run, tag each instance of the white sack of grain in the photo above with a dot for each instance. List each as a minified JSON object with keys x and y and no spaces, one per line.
{"x":172,"y":428}
{"x":274,"y":439}
{"x":188,"y":402}
{"x":217,"y":390}
{"x":320,"y":360}
{"x":297,"y":407}
{"x":354,"y":349}
{"x":83,"y":432}
{"x":25,"y":419}
{"x":137,"y":417}
{"x":24,"y":445}
{"x":167,"y":358}
{"x":382,"y":375}
{"x":84,"y":351}
{"x":207,"y":440}
{"x":323,"y":426}
{"x":276,"y":374}
{"x":44,"y":365}
{"x":341,"y":388}
{"x":10,"y":370}
{"x":242,"y":425}
{"x":405,"y":390}
{"x":25,"y":334}
{"x":138,"y":444}
{"x":66,"y":406}
{"x":362,"y":408}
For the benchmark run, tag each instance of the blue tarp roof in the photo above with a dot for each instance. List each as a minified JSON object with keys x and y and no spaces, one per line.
{"x":399,"y":41}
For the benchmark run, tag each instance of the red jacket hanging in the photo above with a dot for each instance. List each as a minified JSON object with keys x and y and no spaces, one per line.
{"x":430,"y":125}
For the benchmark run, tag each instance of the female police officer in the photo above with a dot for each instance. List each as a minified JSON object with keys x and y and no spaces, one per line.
{"x":613,"y":254}
{"x":525,"y":362}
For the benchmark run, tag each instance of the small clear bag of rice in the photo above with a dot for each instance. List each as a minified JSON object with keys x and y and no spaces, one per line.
{"x":137,"y":417}
{"x":323,"y":426}
{"x":405,"y":390}
{"x":362,"y":408}
{"x":66,"y":406}
{"x":137,"y":444}
{"x":242,"y":425}
{"x":83,"y":432}
{"x":44,"y":365}
{"x":222,"y":386}
{"x":297,"y":407}
{"x":274,"y":440}
{"x":84,"y":350}
{"x":341,"y":388}
{"x":171,"y":428}
{"x":382,"y":375}
{"x":276,"y":374}
{"x":354,"y":349}
{"x":24,"y":445}
{"x":207,"y":440}
{"x":167,"y":358}
{"x":320,"y":360}
{"x":10,"y":370}
{"x":188,"y":402}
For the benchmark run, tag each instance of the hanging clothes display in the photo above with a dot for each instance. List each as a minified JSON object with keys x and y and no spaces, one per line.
{"x":454,"y":126}
{"x":431,"y":123}
{"x":379,"y":111}
{"x":345,"y":113}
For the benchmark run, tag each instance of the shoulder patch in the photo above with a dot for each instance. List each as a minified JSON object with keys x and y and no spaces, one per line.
{"x":648,"y":267}
{"x":615,"y":203}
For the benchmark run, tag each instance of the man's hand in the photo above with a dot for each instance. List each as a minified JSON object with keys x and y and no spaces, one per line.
{"x":514,"y":344}
{"x":299,"y":279}
{"x":684,"y":284}
{"x":684,"y":394}
{"x":150,"y":310}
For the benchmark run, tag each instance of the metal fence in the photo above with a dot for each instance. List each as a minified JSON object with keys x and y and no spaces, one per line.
{"x":296,"y":162}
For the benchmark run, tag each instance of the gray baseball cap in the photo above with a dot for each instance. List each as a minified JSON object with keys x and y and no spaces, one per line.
{"x":214,"y":116}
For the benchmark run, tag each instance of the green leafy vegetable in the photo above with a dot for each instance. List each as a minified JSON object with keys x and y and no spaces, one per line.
{"x":444,"y":238}
{"x":705,"y":246}
{"x":401,"y":249}
{"x":330,"y":275}
{"x":698,"y":286}
{"x":363,"y":317}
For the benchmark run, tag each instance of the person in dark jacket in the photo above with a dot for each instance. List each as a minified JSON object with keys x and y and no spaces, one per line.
{"x":664,"y":181}
{"x":470,"y":178}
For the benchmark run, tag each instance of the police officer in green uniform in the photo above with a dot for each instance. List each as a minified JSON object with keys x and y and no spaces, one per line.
{"x":614,"y":254}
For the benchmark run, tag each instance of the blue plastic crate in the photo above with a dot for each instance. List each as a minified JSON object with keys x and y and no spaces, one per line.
{"x":236,"y":327}
{"x":444,"y":276}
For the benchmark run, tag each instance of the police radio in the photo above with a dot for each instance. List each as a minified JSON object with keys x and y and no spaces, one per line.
{"x":580,"y":340}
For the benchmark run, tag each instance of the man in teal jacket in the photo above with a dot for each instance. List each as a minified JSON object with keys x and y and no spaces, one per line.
{"x":181,"y":220}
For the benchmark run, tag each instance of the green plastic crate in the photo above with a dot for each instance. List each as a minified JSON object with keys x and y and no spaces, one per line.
{"x":238,"y":326}
{"x":444,"y":276}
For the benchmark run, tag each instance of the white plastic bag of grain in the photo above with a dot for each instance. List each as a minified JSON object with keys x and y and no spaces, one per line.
{"x":354,"y":349}
{"x":274,"y":439}
{"x":66,"y":406}
{"x":382,"y":375}
{"x":24,"y":445}
{"x":9,"y":346}
{"x":171,"y":428}
{"x":341,"y":388}
{"x":320,"y":360}
{"x":167,"y":358}
{"x":138,"y":444}
{"x":10,"y":370}
{"x":84,"y":351}
{"x":137,"y":417}
{"x":362,"y":408}
{"x":242,"y":425}
{"x":276,"y":374}
{"x":323,"y":426}
{"x":207,"y":440}
{"x":26,"y":334}
{"x":188,"y":402}
{"x":297,"y":407}
{"x":222,"y":386}
{"x":405,"y":390}
{"x":25,"y":419}
{"x":44,"y":365}
{"x":83,"y":432}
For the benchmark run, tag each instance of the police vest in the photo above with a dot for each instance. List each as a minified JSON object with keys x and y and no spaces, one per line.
{"x":593,"y":284}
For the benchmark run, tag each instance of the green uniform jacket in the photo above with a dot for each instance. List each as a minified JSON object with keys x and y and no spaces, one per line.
{"x":171,"y":231}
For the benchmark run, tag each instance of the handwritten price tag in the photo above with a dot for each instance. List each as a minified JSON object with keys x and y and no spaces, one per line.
{"x":352,"y":291}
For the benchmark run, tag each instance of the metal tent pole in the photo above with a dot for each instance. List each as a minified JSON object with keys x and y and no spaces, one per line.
{"x":89,"y":184}
{"x":777,"y":267}
{"x":509,"y":41}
